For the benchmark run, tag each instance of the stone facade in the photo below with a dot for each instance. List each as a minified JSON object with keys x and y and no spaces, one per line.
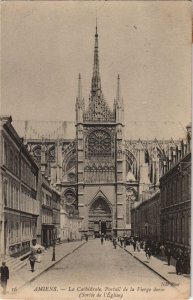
{"x":19,"y":205}
{"x":166,"y":216}
{"x":145,"y":218}
{"x":175,"y":186}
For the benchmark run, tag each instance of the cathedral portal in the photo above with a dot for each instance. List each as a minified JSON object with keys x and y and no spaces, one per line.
{"x":100,"y":217}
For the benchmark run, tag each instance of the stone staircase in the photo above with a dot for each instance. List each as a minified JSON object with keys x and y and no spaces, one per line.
{"x":15,"y":264}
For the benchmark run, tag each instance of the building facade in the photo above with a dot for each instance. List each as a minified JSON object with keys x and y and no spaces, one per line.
{"x":46,"y":220}
{"x":56,"y":199}
{"x":99,"y":131}
{"x":175,"y":186}
{"x":19,"y":205}
{"x":145,"y":218}
{"x":166,"y":216}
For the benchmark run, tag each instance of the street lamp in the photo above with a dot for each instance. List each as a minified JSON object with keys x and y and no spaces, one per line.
{"x":54,"y":245}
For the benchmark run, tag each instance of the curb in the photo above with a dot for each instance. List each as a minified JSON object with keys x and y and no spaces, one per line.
{"x":49,"y":267}
{"x":171,"y":284}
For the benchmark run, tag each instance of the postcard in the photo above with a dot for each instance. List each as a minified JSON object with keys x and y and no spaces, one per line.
{"x":95,"y":147}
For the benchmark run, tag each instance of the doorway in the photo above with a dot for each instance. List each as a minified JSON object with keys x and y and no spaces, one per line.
{"x":103,"y":227}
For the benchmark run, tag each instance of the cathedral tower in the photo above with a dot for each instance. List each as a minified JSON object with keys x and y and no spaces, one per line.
{"x":100,"y":162}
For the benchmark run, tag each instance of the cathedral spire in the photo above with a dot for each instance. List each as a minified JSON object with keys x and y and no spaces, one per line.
{"x":79,"y":101}
{"x":118,"y":88}
{"x":79,"y":87}
{"x":119,"y":99}
{"x":96,"y":81}
{"x":98,"y":109}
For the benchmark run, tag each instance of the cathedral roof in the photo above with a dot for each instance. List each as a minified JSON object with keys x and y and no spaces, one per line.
{"x":133,"y":130}
{"x":45,"y":129}
{"x":149,"y":130}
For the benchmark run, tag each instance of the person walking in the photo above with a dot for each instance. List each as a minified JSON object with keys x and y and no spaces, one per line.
{"x":138,"y":246}
{"x":168,"y":255}
{"x":39,"y":255}
{"x":148,"y":253}
{"x":32,"y":260}
{"x":102,"y":240}
{"x":134,"y":245}
{"x":186,"y":262}
{"x":162,"y":249}
{"x":179,"y":265}
{"x":114,"y":242}
{"x":4,"y":270}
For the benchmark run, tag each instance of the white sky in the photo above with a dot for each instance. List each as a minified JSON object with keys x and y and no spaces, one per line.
{"x":46,"y":44}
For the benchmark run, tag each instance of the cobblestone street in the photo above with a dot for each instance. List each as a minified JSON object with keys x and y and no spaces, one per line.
{"x":100,"y":267}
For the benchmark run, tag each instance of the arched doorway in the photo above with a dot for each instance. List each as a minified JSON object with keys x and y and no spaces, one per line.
{"x":100,"y":217}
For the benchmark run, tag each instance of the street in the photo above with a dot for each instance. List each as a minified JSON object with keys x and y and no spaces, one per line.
{"x":96,"y":268}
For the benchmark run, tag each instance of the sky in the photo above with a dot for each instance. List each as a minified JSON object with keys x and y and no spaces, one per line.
{"x":45,"y":45}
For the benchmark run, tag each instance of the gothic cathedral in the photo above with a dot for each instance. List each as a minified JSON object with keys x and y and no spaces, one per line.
{"x":99,"y":174}
{"x":100,"y":165}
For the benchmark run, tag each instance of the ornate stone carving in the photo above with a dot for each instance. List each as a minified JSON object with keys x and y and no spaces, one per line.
{"x":70,"y":200}
{"x":71,"y":177}
{"x":99,"y":143}
{"x":100,"y":207}
{"x":52,"y":154}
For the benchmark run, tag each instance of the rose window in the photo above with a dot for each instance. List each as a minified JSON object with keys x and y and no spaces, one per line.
{"x":99,"y":143}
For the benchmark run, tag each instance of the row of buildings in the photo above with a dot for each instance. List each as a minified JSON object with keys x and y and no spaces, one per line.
{"x":165,"y":213}
{"x":30,"y":207}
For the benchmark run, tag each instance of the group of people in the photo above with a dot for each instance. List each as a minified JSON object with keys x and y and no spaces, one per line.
{"x":111,"y":238}
{"x":181,"y":256}
{"x":105,"y":237}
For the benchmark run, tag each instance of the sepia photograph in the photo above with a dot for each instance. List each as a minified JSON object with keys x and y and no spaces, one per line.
{"x":95,"y":150}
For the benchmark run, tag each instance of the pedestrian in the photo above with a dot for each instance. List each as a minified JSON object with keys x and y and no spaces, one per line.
{"x":141,"y":244}
{"x":168,"y":255}
{"x":39,"y":255}
{"x":179,"y":265}
{"x":4,"y":270}
{"x":162,"y":249}
{"x":102,"y":240}
{"x":186,"y":262}
{"x":32,"y":260}
{"x":138,"y":246}
{"x":114,"y":243}
{"x":148,"y":253}
{"x":134,"y":245}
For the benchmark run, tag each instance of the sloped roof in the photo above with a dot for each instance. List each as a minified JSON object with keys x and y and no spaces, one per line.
{"x":144,"y":130}
{"x":149,"y":130}
{"x":45,"y":129}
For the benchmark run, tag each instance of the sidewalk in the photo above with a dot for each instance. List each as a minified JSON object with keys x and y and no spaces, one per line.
{"x":161,"y":268}
{"x":24,"y":276}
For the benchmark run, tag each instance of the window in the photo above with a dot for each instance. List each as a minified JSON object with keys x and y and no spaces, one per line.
{"x":16,"y":166}
{"x":11,"y":202}
{"x":5,"y":154}
{"x":99,"y":143}
{"x":5,"y":192}
{"x":17,"y":198}
{"x":17,"y":229}
{"x":11,"y":159}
